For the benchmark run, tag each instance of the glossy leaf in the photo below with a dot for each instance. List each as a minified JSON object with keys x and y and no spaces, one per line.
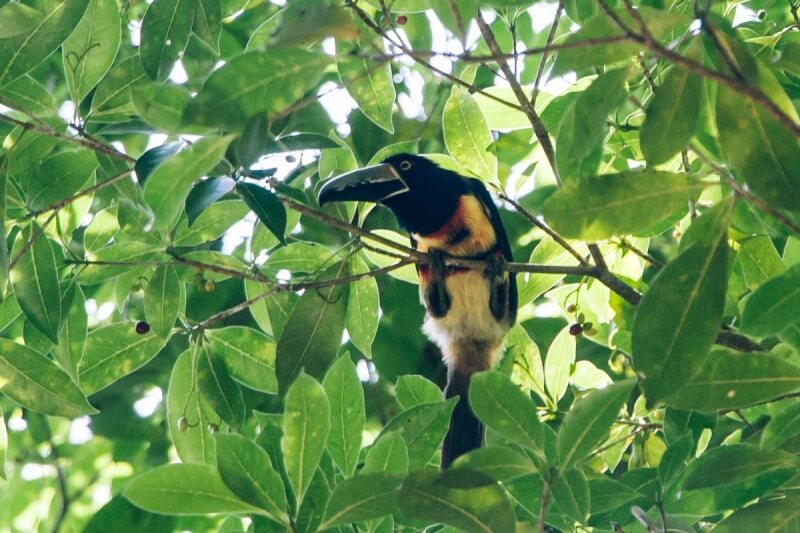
{"x":219,"y":389}
{"x":504,"y":408}
{"x":246,"y":469}
{"x":35,"y":281}
{"x":760,"y":151}
{"x":20,"y":53}
{"x":617,"y":204}
{"x":388,"y":454}
{"x":730,"y":380}
{"x":193,"y":442}
{"x":589,"y":420}
{"x":211,"y":224}
{"x":768,"y":515}
{"x":184,"y":489}
{"x":498,"y":462}
{"x":363,"y":497}
{"x":165,"y":32}
{"x":558,"y":364}
{"x":267,"y":207}
{"x":90,"y":50}
{"x":59,"y":177}
{"x":161,"y":105}
{"x":113,"y":94}
{"x":204,"y":194}
{"x":253,"y":83}
{"x":168,"y":186}
{"x":679,"y":317}
{"x":34,"y":381}
{"x":423,"y":428}
{"x":784,"y":425}
{"x":363,"y":304}
{"x":571,"y":494}
{"x":306,"y":426}
{"x":370,"y":85}
{"x":248,"y":354}
{"x":740,"y":464}
{"x":467,"y":135}
{"x":164,"y":300}
{"x":18,"y":18}
{"x":774,"y":306}
{"x":460,"y":498}
{"x":413,"y":390}
{"x":672,"y":116}
{"x":72,"y":339}
{"x":313,"y":333}
{"x":114,"y":351}
{"x":348,"y":416}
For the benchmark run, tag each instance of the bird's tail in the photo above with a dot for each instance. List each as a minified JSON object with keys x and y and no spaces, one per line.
{"x":466,"y":431}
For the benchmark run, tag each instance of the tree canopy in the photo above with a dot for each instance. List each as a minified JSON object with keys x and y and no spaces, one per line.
{"x":189,"y":342}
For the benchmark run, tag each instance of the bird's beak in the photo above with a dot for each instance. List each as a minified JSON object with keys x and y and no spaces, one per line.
{"x":371,"y":184}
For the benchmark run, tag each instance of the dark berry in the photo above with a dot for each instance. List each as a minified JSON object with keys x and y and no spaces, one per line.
{"x":575,"y":330}
{"x":402,"y":19}
{"x":142,"y":327}
{"x":291,"y":159}
{"x":571,"y":308}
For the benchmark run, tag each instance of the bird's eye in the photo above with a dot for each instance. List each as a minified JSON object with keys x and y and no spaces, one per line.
{"x":405,"y":165}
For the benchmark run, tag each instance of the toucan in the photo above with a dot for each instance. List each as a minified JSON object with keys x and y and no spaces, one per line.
{"x":469,"y":311}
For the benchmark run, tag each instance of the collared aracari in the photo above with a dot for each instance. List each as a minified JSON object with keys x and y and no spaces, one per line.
{"x":469,"y":311}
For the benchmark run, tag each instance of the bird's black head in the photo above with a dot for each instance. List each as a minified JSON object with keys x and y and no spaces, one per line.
{"x":422,"y":195}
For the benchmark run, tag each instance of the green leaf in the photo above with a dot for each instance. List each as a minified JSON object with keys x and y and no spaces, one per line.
{"x":460,"y":498}
{"x":161,"y":105}
{"x":369,"y":84}
{"x":363,"y":304}
{"x":101,"y":229}
{"x":267,"y":207}
{"x":299,"y":257}
{"x":587,"y":423}
{"x":118,"y":253}
{"x":211,"y":224}
{"x":248,"y":354}
{"x":348,"y":416}
{"x":3,"y":443}
{"x":744,"y":465}
{"x":219,"y":389}
{"x":306,"y":425}
{"x":34,"y":381}
{"x":72,"y":339}
{"x":761,"y":152}
{"x":779,"y":515}
{"x":204,"y":194}
{"x":423,"y":428}
{"x":194,"y":443}
{"x":114,"y":351}
{"x":27,"y":94}
{"x":609,"y":494}
{"x":300,"y":141}
{"x":783,"y":425}
{"x":730,"y":380}
{"x":313,"y":334}
{"x":184,"y":489}
{"x":412,"y":389}
{"x":164,"y":300}
{"x":498,"y":462}
{"x":168,"y":186}
{"x":679,"y":317}
{"x":547,"y":252}
{"x":18,"y":18}
{"x":166,"y":27}
{"x":208,"y":23}
{"x":467,"y":135}
{"x":246,"y":469}
{"x":253,"y":83}
{"x":90,"y":50}
{"x":22,"y":52}
{"x":774,"y":306}
{"x":388,"y":454}
{"x":760,"y":260}
{"x":504,"y":408}
{"x":617,"y":204}
{"x":363,"y":497}
{"x":571,"y":494}
{"x":559,"y":363}
{"x":672,"y":116}
{"x":59,"y":176}
{"x":113,"y":94}
{"x":583,"y":128}
{"x":35,"y":281}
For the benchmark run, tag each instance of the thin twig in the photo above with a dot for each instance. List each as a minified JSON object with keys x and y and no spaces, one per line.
{"x":539,"y":129}
{"x":34,"y":237}
{"x":67,"y":201}
{"x":547,"y":48}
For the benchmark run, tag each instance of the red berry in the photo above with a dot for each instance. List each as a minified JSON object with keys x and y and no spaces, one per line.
{"x":402,"y":19}
{"x":142,"y":327}
{"x":575,"y":330}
